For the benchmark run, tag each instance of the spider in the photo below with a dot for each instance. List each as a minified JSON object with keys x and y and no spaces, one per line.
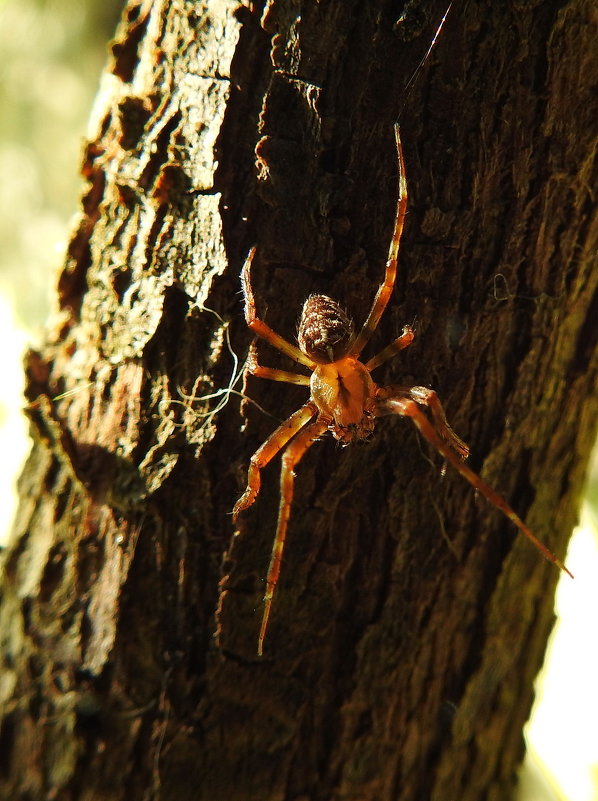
{"x":344,"y":399}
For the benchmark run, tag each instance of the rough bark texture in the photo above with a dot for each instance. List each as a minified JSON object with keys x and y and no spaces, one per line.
{"x":410,"y":619}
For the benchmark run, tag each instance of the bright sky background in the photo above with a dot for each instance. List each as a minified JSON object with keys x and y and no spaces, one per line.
{"x":562,"y":735}
{"x":48,"y":76}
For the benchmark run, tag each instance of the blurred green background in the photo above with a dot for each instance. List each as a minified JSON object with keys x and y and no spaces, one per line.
{"x":51,"y":56}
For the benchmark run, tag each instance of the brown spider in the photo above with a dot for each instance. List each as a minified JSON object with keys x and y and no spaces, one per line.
{"x":344,"y":399}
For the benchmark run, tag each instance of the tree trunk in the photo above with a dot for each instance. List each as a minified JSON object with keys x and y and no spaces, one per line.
{"x":410,"y":618}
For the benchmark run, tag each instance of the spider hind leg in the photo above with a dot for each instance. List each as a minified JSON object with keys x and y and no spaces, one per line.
{"x":258,"y":326}
{"x":390,"y":275}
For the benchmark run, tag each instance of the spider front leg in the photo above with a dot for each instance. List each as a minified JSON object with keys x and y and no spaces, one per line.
{"x":408,"y":407}
{"x":428,"y":398}
{"x":268,"y":450}
{"x":291,"y":456}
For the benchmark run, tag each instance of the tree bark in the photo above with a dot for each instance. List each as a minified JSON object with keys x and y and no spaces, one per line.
{"x":410,"y":619}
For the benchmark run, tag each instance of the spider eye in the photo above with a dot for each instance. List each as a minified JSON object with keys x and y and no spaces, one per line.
{"x":325,"y":330}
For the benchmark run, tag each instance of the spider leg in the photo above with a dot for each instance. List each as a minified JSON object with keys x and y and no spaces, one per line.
{"x":268,"y":450}
{"x":280,"y":375}
{"x":400,"y":343}
{"x":408,"y":407}
{"x":385,"y":289}
{"x":260,"y":328}
{"x":291,"y":456}
{"x":428,"y":398}
{"x":273,"y":373}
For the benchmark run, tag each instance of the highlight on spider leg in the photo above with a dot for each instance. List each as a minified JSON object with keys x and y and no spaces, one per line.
{"x":409,"y":84}
{"x":268,"y":450}
{"x":291,"y":456}
{"x":270,"y":372}
{"x":385,"y":289}
{"x":400,"y":343}
{"x":429,"y":399}
{"x":274,"y":374}
{"x":259,"y":327}
{"x":408,"y":408}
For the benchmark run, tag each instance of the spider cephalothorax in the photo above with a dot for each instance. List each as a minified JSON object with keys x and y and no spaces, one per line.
{"x":341,"y":387}
{"x":344,"y":399}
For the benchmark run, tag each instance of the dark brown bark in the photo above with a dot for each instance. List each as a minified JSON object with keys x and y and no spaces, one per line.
{"x":410,"y":619}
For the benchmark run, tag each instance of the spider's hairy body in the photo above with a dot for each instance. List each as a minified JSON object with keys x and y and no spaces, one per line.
{"x":344,"y":392}
{"x":341,"y":386}
{"x":344,"y":399}
{"x":325,"y":330}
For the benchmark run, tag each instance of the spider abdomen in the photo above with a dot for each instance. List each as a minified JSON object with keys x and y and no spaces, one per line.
{"x":325,"y":330}
{"x":344,"y":391}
